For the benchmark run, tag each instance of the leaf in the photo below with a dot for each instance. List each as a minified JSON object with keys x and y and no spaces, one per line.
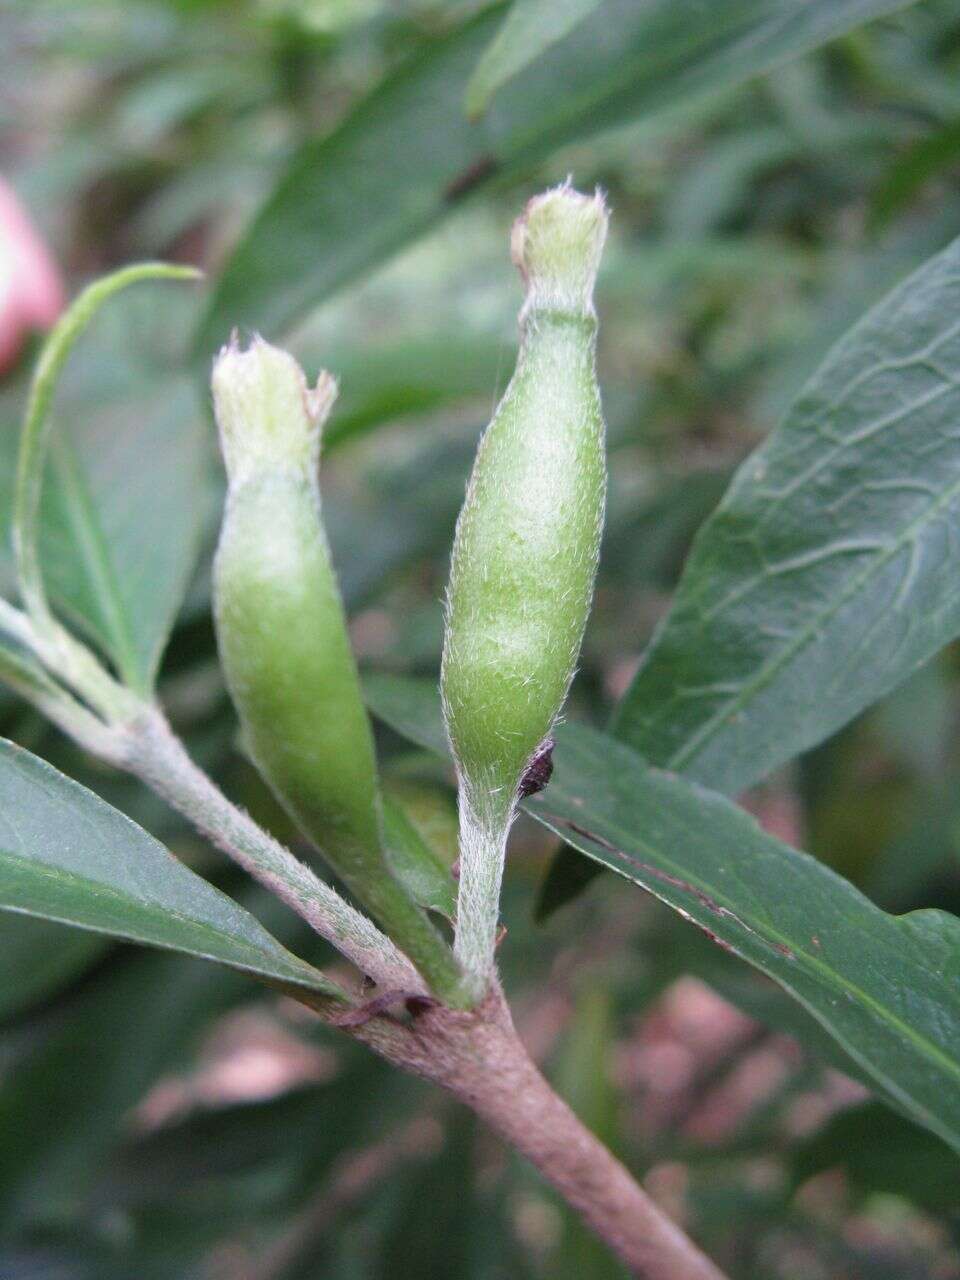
{"x":826,"y":575}
{"x":680,"y":952}
{"x":37,"y":959}
{"x":411,"y":707}
{"x":65,"y":855}
{"x":423,"y":496}
{"x":565,"y":879}
{"x":124,"y":492}
{"x":63,"y":1103}
{"x":887,"y":988}
{"x":880,"y":1153}
{"x":35,"y":436}
{"x":405,"y":156}
{"x":410,"y":818}
{"x":927,"y":158}
{"x":383,"y":382}
{"x":584,"y":1079}
{"x":529,"y":28}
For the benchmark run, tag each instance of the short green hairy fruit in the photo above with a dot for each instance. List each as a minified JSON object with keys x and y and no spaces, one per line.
{"x":283,"y":637}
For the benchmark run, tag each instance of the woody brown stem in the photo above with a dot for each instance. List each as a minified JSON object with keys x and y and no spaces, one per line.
{"x":475,"y":1054}
{"x":478,"y":1056}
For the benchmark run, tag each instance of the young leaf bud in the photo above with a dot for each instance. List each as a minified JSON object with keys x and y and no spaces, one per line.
{"x":283,"y":638}
{"x":525,"y":552}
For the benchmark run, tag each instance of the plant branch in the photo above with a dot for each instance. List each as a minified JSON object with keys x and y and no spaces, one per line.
{"x":148,"y":748}
{"x":71,"y":662}
{"x":134,"y":735}
{"x":478,"y":1057}
{"x":475,"y":1055}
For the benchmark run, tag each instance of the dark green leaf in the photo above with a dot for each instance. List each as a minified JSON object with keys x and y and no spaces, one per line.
{"x":565,"y":879}
{"x":422,"y":497}
{"x":887,"y":988}
{"x":408,"y":828}
{"x":62,"y":1104}
{"x":123,"y":521}
{"x":385,"y":382}
{"x":126,"y":489}
{"x":882,"y":1153}
{"x":931,"y":156}
{"x":411,"y":707}
{"x":529,"y":28}
{"x":65,"y":855}
{"x":38,"y":958}
{"x":406,"y":156}
{"x":826,"y":575}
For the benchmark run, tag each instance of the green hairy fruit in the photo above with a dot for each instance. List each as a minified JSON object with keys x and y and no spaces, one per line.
{"x":283,"y":638}
{"x":526,"y":548}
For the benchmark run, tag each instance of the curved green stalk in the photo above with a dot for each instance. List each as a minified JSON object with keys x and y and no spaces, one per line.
{"x":35,"y":436}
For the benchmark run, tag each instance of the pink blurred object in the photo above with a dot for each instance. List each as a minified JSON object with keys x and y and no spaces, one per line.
{"x":31,"y":288}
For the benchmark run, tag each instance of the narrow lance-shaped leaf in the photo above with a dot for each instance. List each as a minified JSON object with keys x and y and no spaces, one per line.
{"x":529,"y":28}
{"x":879,"y":1154}
{"x":420,"y":832}
{"x":933,"y":155}
{"x":66,"y":855}
{"x":63,"y":1102}
{"x":829,"y":571}
{"x":86,"y":533}
{"x":38,"y":958}
{"x":887,"y":988}
{"x":406,"y":156}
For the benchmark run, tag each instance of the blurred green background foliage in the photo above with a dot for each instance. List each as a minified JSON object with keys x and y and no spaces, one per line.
{"x":161,"y":1119}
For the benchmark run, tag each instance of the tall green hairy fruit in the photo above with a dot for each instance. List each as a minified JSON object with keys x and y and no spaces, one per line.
{"x":525,"y":552}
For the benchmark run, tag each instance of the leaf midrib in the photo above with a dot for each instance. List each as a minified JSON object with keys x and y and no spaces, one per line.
{"x":927,"y":1048}
{"x":97,"y":889}
{"x":101,"y":574}
{"x":691,"y":747}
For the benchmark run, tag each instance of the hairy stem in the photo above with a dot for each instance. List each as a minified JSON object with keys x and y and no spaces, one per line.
{"x":134,"y":735}
{"x":70,"y":662}
{"x":483,"y":846}
{"x":477,"y":1056}
{"x":149,"y":749}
